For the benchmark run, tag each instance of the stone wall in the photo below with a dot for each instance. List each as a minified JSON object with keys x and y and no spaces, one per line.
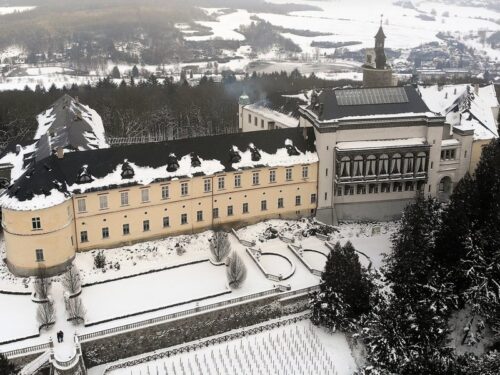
{"x":377,"y":77}
{"x":127,"y":344}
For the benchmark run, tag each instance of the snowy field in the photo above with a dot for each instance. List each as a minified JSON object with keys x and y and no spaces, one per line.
{"x":296,"y":349}
{"x":17,"y":317}
{"x":10,"y":10}
{"x":153,"y":290}
{"x":352,"y":20}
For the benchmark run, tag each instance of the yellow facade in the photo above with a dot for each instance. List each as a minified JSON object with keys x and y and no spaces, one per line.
{"x":90,"y":221}
{"x":477,"y":150}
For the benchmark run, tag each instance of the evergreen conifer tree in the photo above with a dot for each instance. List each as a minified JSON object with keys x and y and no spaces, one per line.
{"x":6,"y":367}
{"x":345,"y":290}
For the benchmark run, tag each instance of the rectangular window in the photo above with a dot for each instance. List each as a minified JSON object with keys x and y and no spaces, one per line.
{"x":361,"y":189}
{"x":245,"y":208}
{"x":124,"y":198}
{"x":103,"y":202}
{"x":126,"y":229}
{"x":164,"y":192}
{"x":82,"y":205}
{"x":255,"y":178}
{"x":249,"y":119}
{"x":409,"y":186}
{"x":298,"y":200}
{"x":207,"y":186}
{"x":166,"y":222}
{"x":280,"y":203}
{"x":230,"y":211}
{"x":145,"y":195}
{"x":84,"y":236}
{"x":237,"y":180}
{"x":339,"y":192}
{"x":313,"y":198}
{"x":145,"y":225}
{"x":373,"y":189}
{"x":184,"y":219}
{"x":36,"y":223}
{"x":397,"y":186}
{"x":199,"y":216}
{"x":184,"y":189}
{"x":288,"y":174}
{"x":255,"y":119}
{"x":105,"y":232}
{"x":221,"y":183}
{"x":326,"y":172}
{"x":305,"y":172}
{"x":272,"y":176}
{"x":215,"y":213}
{"x":39,"y":255}
{"x":263,"y":205}
{"x":262,"y":124}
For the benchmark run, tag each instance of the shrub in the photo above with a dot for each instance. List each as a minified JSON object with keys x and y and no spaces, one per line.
{"x":220,"y":246}
{"x":236,"y":271}
{"x":100,"y":260}
{"x":71,"y":280}
{"x":45,"y":314}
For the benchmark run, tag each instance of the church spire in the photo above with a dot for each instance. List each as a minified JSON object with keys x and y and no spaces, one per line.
{"x":380,"y":58}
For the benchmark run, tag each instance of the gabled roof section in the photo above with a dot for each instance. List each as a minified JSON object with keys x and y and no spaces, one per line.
{"x":71,"y":125}
{"x":365,"y":102}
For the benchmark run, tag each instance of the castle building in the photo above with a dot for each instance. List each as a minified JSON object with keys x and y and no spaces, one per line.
{"x":77,"y":201}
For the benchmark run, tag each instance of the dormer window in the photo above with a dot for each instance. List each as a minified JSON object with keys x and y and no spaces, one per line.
{"x":195,"y":160}
{"x":255,"y":153}
{"x":234,"y":155}
{"x":172,"y":163}
{"x":127,"y":170}
{"x":291,"y":149}
{"x":84,"y":175}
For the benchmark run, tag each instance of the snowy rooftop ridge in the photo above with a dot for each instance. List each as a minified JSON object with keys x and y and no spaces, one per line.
{"x":465,"y":107}
{"x":273,"y":115}
{"x":100,"y":169}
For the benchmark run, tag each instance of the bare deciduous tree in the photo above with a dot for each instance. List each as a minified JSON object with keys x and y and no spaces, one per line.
{"x":76,"y":310}
{"x":236,"y":271}
{"x":42,"y":284}
{"x":45,"y":314}
{"x":220,"y":246}
{"x":71,"y":280}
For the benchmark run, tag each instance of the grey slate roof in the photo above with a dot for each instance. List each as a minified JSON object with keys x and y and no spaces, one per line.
{"x":332,"y":109}
{"x":52,"y":172}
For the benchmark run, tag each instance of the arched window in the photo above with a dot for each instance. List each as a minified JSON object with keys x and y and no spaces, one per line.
{"x":371,"y":165}
{"x":396,"y":164}
{"x":345,"y":167}
{"x":408,"y":163}
{"x":421,"y":159}
{"x":383,"y":164}
{"x":358,"y":166}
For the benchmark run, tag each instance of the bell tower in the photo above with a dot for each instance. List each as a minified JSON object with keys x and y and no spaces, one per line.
{"x":380,"y":58}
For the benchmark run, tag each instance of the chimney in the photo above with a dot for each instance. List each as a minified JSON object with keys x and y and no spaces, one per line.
{"x":60,"y":153}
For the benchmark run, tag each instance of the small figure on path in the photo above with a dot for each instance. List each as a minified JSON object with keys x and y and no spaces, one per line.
{"x":59,"y":336}
{"x":62,"y":336}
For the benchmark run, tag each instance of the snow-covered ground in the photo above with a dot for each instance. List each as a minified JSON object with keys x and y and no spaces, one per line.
{"x":17,"y":317}
{"x":299,"y":348}
{"x":156,"y":290}
{"x":10,"y":10}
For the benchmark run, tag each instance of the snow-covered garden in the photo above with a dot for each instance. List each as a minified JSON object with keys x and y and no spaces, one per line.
{"x":298,"y":348}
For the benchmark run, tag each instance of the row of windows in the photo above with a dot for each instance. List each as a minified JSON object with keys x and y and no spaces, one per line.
{"x":376,"y":188}
{"x":207,"y":187}
{"x":449,"y":154}
{"x":199,"y":217}
{"x":371,"y":166}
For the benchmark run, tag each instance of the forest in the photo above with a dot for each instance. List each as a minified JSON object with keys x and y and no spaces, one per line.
{"x":150,"y":107}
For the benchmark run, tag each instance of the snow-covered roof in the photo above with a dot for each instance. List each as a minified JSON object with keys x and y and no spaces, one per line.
{"x":149,"y":162}
{"x":69,"y":124}
{"x":273,"y":115}
{"x":463,"y":108}
{"x":388,"y":143}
